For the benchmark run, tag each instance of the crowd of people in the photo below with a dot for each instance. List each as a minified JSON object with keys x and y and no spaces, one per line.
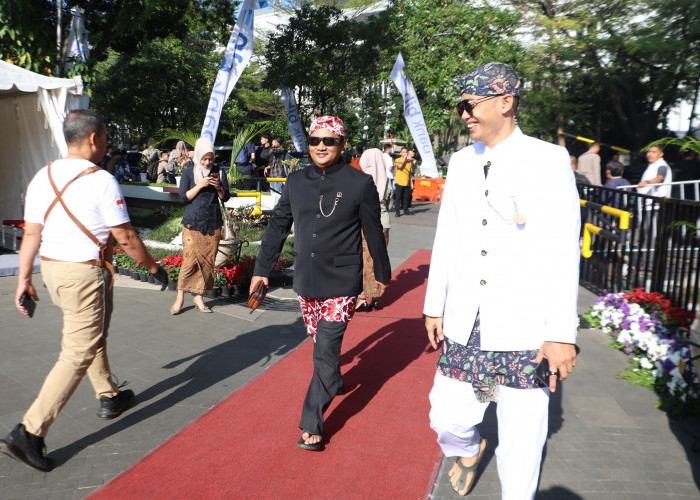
{"x":488,"y":266}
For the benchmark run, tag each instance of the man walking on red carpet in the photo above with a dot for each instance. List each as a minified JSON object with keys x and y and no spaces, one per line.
{"x":503,"y":286}
{"x":331,"y":205}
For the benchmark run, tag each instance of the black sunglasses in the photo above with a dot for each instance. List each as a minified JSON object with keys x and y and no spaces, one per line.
{"x":468,"y":105}
{"x":327,"y":141}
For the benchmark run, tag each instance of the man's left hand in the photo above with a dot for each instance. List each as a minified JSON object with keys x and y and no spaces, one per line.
{"x":562,"y":359}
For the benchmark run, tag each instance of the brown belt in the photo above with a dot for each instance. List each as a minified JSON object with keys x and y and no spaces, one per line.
{"x":95,"y":262}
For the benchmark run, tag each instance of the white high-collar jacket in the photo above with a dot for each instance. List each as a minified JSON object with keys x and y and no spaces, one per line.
{"x":507,"y":246}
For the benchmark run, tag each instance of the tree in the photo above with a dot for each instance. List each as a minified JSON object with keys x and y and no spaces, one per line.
{"x":331,"y":60}
{"x":163,"y":86}
{"x":27,"y":32}
{"x":613,"y":68}
{"x":440,"y":41}
{"x":24,"y":37}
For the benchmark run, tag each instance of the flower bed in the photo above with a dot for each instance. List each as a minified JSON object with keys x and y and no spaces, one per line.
{"x":234,"y":273}
{"x":645,"y":325}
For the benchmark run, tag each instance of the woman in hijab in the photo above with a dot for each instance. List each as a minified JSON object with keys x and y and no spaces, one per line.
{"x":372,"y":163}
{"x":202,"y":188}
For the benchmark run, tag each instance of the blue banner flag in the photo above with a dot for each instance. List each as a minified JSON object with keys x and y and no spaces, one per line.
{"x":414,"y":119}
{"x":293,"y":120}
{"x":239,"y":50}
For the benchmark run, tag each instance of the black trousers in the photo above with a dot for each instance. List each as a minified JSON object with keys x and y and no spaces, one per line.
{"x":326,"y":382}
{"x":403,"y":198}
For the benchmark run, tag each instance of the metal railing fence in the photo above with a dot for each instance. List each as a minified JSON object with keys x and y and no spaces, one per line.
{"x":657,"y":254}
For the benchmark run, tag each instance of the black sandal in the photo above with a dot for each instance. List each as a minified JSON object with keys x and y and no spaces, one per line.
{"x":364,"y":307}
{"x":311,"y":447}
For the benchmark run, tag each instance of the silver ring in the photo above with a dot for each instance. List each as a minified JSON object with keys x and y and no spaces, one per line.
{"x":552,"y":373}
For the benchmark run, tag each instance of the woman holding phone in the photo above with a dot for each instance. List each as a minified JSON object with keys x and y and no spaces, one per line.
{"x":202,"y":186}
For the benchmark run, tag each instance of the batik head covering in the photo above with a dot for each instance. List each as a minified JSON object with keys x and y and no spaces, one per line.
{"x":372,"y":163}
{"x":492,"y":78}
{"x":201,"y":147}
{"x":332,"y":123}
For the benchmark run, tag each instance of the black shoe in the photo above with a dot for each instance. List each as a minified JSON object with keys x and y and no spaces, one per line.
{"x":406,"y":212}
{"x":398,"y":214}
{"x":375,"y":305}
{"x":364,"y":307}
{"x":26,"y":448}
{"x":113,"y":407}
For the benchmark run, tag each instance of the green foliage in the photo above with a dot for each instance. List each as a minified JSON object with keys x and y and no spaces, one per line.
{"x":158,"y":253}
{"x":245,"y":136}
{"x":691,"y":143}
{"x":635,"y":376}
{"x":168,"y":134}
{"x":24,"y":39}
{"x":609,"y":70}
{"x":443,"y":39}
{"x":165,"y":85}
{"x":331,"y":59}
{"x":169,"y":229}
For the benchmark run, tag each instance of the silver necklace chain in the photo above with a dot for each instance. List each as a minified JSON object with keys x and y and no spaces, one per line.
{"x":338,"y":195}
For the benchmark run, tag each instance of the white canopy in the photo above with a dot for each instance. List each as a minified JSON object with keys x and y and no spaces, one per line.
{"x":32,"y":109}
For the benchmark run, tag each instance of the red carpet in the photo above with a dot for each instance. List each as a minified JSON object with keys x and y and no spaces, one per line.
{"x":378,"y":441}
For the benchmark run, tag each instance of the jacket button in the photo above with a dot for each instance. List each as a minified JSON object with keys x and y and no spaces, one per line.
{"x":482,"y":282}
{"x":483,"y":222}
{"x":313,"y":254}
{"x":486,"y":193}
{"x":483,"y":252}
{"x":323,"y":177}
{"x":314,"y":235}
{"x":318,"y":216}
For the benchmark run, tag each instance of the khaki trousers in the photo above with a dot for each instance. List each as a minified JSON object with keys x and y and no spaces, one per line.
{"x":82,"y":292}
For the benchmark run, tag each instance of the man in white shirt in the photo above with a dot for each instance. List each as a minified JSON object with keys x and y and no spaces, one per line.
{"x":658,"y":172}
{"x":72,"y":209}
{"x":503,"y":286}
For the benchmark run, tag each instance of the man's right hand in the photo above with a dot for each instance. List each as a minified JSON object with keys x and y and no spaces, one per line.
{"x":254,"y":283}
{"x":433,"y":326}
{"x":23,"y":287}
{"x":161,"y":276}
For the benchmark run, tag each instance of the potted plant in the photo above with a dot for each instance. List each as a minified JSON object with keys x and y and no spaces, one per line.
{"x":172,"y":266}
{"x":221,"y":281}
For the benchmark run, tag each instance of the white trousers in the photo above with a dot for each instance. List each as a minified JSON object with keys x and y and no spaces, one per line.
{"x":522,"y":430}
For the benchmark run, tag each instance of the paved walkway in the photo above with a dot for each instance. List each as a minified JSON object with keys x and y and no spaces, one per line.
{"x":607,"y":439}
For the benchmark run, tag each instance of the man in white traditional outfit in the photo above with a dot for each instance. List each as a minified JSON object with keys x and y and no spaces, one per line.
{"x":503,"y":286}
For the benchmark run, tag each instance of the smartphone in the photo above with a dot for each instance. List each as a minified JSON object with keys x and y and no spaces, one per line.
{"x":542,"y":372}
{"x":214,"y":172}
{"x":28,"y":303}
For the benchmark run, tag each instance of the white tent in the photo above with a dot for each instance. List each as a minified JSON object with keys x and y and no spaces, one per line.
{"x":32,"y":109}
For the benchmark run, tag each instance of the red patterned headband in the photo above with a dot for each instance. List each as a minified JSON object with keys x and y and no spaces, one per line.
{"x":331,"y":123}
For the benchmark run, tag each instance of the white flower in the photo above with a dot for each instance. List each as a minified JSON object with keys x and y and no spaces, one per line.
{"x":646,"y":364}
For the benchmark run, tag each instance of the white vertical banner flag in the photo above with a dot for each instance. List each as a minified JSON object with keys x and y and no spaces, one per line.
{"x":78,"y":49}
{"x":239,"y":50}
{"x":77,"y":40}
{"x":293,"y":120}
{"x":414,"y":119}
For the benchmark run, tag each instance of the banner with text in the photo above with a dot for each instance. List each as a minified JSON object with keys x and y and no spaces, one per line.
{"x":237,"y":56}
{"x":414,"y":119}
{"x":293,"y":120}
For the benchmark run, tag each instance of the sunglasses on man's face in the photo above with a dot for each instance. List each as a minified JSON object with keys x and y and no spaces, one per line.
{"x":468,"y":105}
{"x":327,"y":141}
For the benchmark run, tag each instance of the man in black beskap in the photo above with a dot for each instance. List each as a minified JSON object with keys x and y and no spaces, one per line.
{"x":331,"y":205}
